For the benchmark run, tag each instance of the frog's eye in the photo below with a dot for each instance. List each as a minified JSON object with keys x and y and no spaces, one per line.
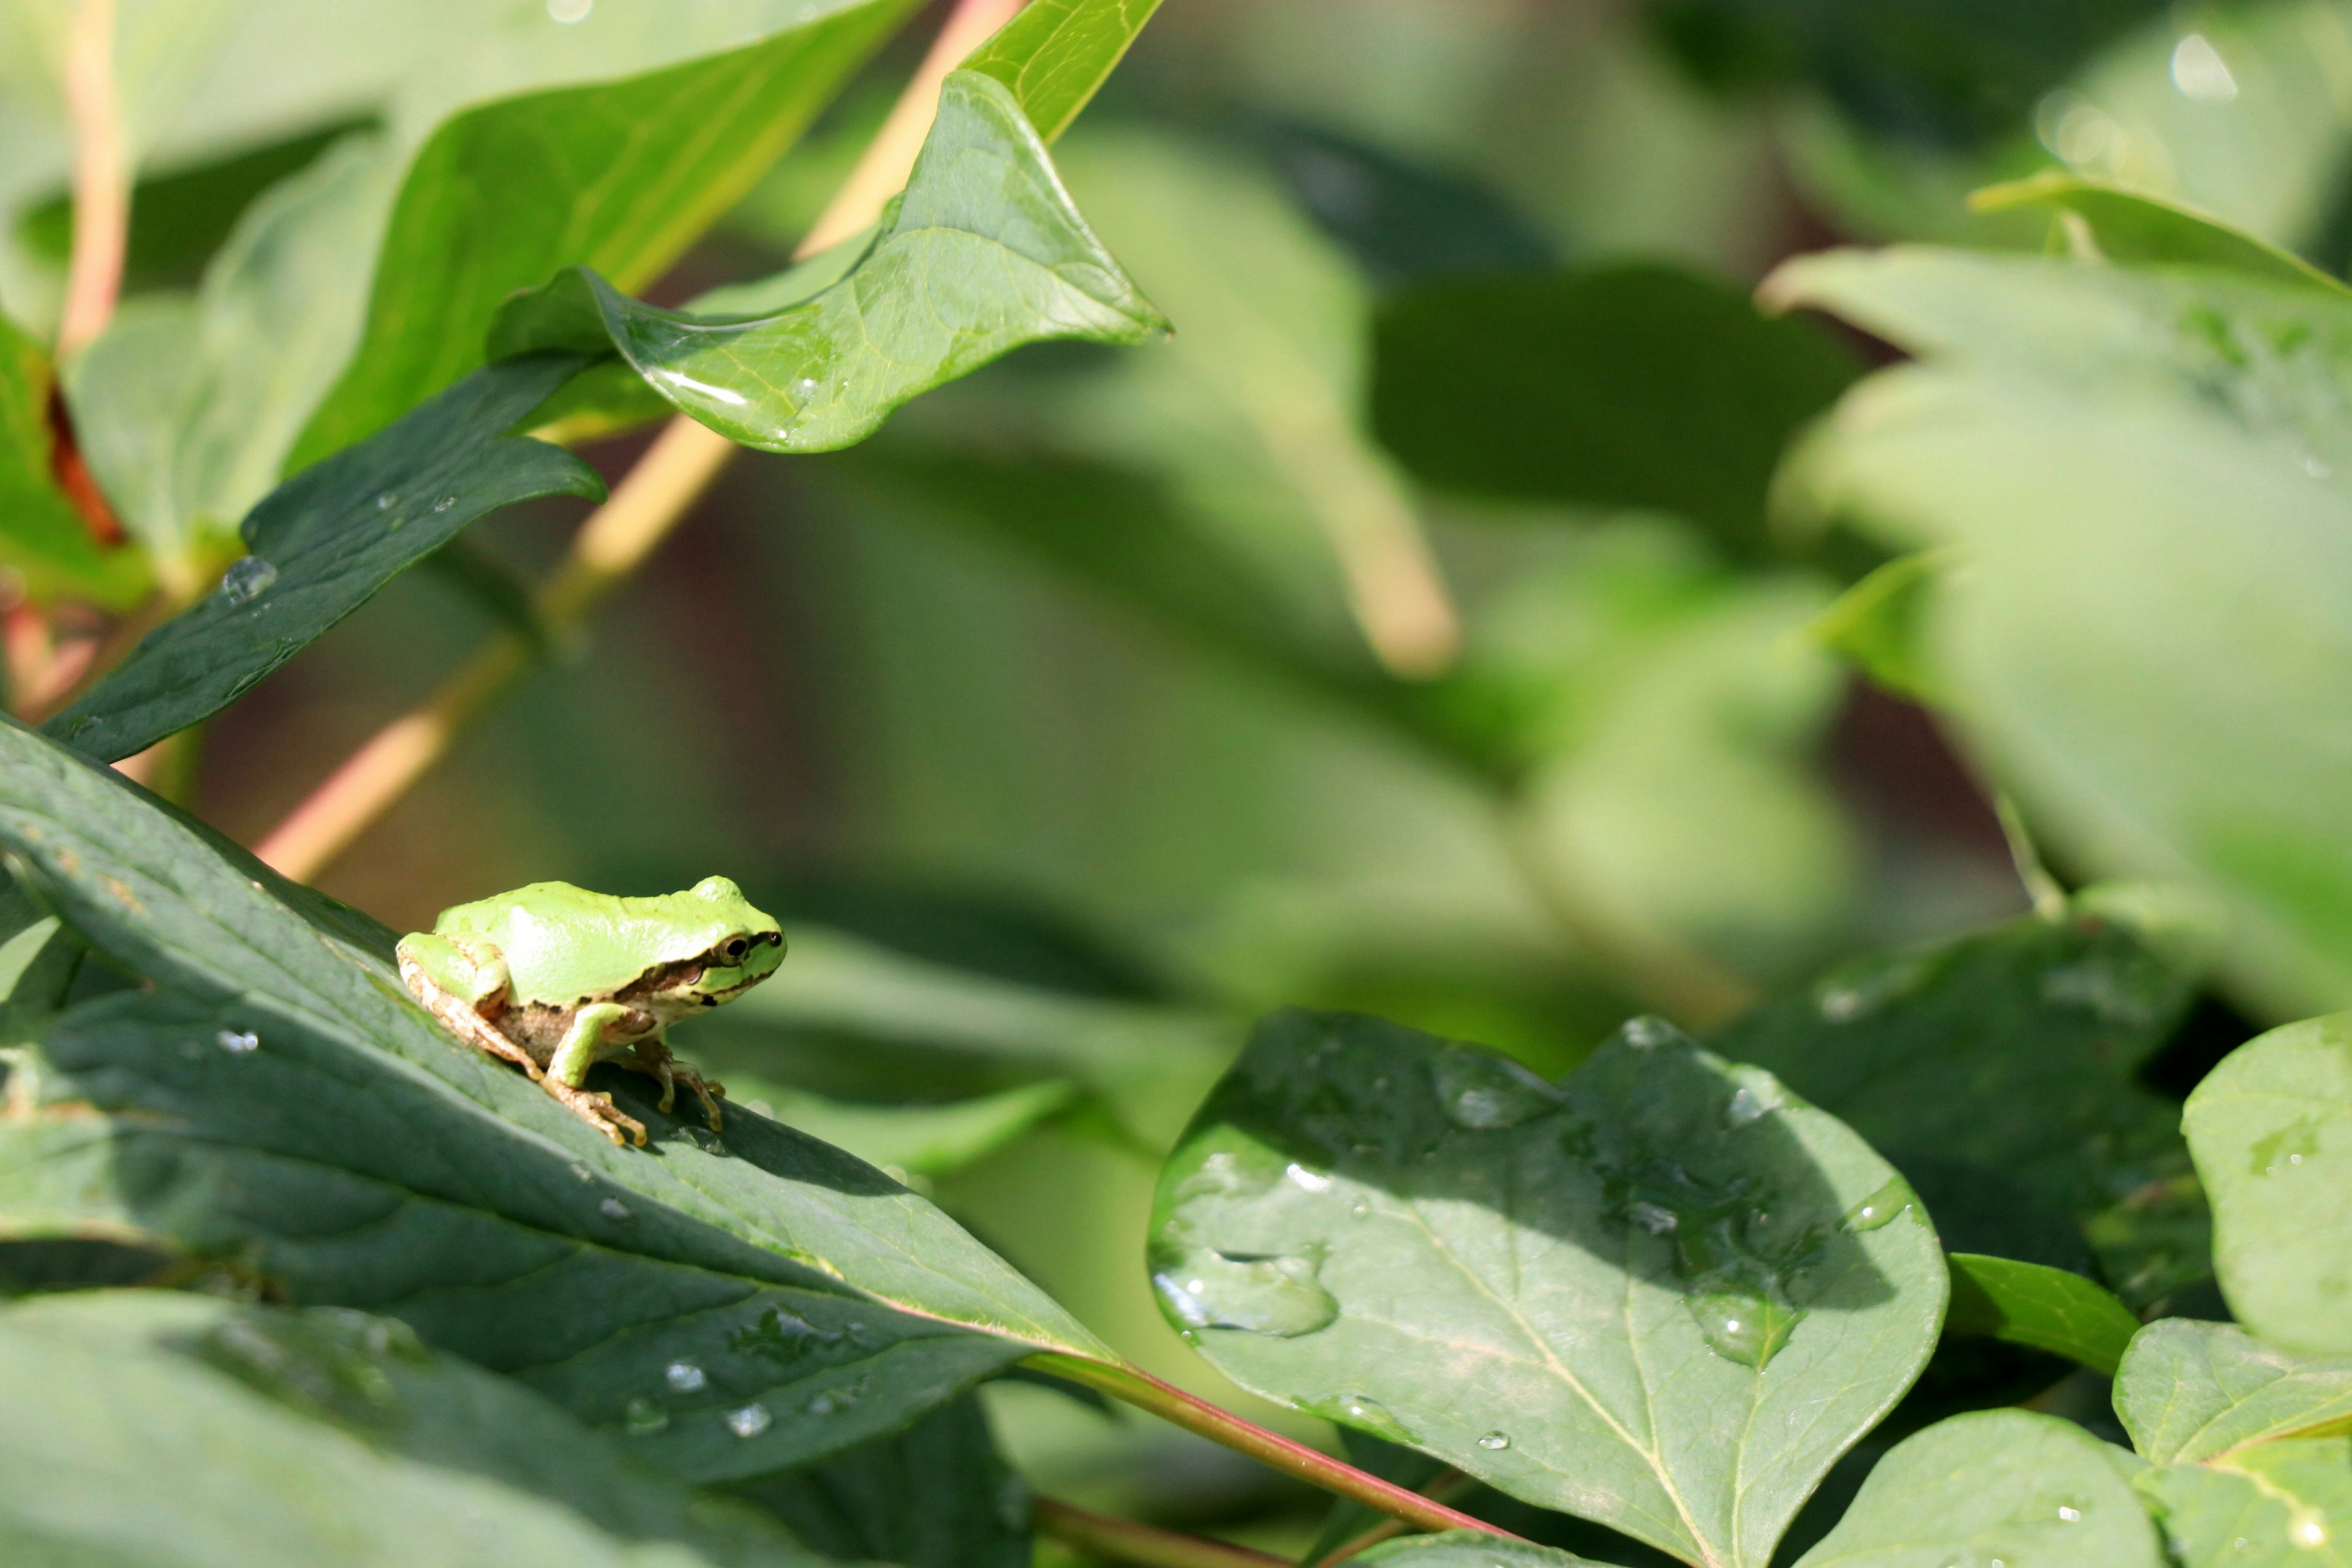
{"x":737,"y":948}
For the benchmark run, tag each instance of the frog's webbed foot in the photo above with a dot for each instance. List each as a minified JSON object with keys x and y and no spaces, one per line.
{"x":652,"y":1059}
{"x":599,"y":1111}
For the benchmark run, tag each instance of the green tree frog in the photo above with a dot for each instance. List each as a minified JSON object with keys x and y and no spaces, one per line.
{"x":555,"y":979}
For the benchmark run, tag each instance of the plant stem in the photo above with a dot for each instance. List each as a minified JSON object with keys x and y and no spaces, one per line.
{"x":1171,"y":1404}
{"x":1126,"y":1540}
{"x":101,"y":185}
{"x":618,"y":536}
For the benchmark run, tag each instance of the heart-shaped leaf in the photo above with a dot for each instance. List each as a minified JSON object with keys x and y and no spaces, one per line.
{"x":2027,"y":1491}
{"x":2271,"y":1132}
{"x":746,"y":1304}
{"x":2189,"y":1392}
{"x":324,"y":542}
{"x":1664,"y":1295}
{"x":983,"y":253}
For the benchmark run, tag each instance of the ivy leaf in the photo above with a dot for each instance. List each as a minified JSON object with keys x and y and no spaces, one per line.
{"x":2270,"y":1129}
{"x":984,"y":253}
{"x":2031,"y":1490}
{"x":280,"y":1090}
{"x":1663,"y":1295}
{"x":2045,"y":1309}
{"x":938,"y":1495}
{"x":620,"y":176}
{"x":2191,"y":1392}
{"x":42,"y":537}
{"x":148,"y":1427}
{"x":2282,"y":1505}
{"x":324,"y":542}
{"x":2047,"y":1018}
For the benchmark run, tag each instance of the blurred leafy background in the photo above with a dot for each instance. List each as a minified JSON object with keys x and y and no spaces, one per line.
{"x":1110,"y":698}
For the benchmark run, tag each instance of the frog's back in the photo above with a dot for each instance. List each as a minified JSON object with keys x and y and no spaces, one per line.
{"x":560,"y":942}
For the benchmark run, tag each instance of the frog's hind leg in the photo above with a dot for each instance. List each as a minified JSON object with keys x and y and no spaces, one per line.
{"x":653,"y":1059}
{"x":459,"y":1014}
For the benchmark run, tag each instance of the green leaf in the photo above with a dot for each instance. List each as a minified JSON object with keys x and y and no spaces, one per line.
{"x":1468,"y":1548}
{"x":2047,"y":1019}
{"x":2058,"y":409}
{"x":1597,"y":386}
{"x":1056,"y":54}
{"x":1878,"y":625}
{"x":926,"y":1140}
{"x":2189,"y":1392}
{"x":619,"y":176}
{"x":2133,"y":227}
{"x":282,"y":1091}
{"x":42,"y":538}
{"x":144,"y":1427}
{"x":983,"y":253}
{"x":2032,"y":1491}
{"x":2271,"y":1132}
{"x":937,"y":1495}
{"x":324,"y":542}
{"x":2282,"y":1505}
{"x":2047,"y":1308}
{"x":1663,"y":1295}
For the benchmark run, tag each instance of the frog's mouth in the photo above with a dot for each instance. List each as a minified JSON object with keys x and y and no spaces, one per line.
{"x":724,"y":983}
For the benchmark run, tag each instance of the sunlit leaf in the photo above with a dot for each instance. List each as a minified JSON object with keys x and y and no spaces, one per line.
{"x":1056,"y":54}
{"x":2191,"y":1392}
{"x":1663,"y":1295}
{"x":2045,"y":1309}
{"x":2282,"y":1505}
{"x":2133,"y":227}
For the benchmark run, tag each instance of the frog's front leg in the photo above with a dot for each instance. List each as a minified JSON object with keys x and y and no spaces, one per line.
{"x":567,"y":1072}
{"x":652,"y":1059}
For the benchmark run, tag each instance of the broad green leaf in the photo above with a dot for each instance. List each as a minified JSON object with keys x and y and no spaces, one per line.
{"x":1597,"y":387}
{"x":925,"y":1139}
{"x":152,"y":1428}
{"x":1663,"y":1295}
{"x":2128,"y":461}
{"x":191,"y":406}
{"x":2282,"y":1505}
{"x":2271,"y":1132}
{"x":1056,"y":54}
{"x":324,"y":542}
{"x":2133,"y":227}
{"x":983,"y":253}
{"x":2047,"y":1019}
{"x":43,"y":539}
{"x":619,"y":176}
{"x":937,"y":1495}
{"x":282,"y":1089}
{"x":2191,"y":1393}
{"x":1876,"y":626}
{"x":1468,"y":1548}
{"x":851,"y":998}
{"x":2031,"y":1491}
{"x":2046,"y":1309}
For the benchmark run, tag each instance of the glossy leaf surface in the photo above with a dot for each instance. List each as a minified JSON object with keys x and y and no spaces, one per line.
{"x":619,"y":177}
{"x":2032,"y":1490}
{"x":156,"y":1428}
{"x":283,"y":1062}
{"x":2042,"y":1308}
{"x":1663,"y":1295}
{"x":983,"y":253}
{"x":2271,"y":1132}
{"x":2282,"y":1505}
{"x":2191,"y":1392}
{"x":1056,"y":54}
{"x":324,"y":542}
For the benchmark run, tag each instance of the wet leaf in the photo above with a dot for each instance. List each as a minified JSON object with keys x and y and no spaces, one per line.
{"x":2271,"y":1132}
{"x":2027,"y":1491}
{"x":152,"y":1428}
{"x":983,"y":253}
{"x":2282,"y":1505}
{"x":2045,"y":1309}
{"x":620,"y":176}
{"x":323,"y":543}
{"x":281,"y":1105}
{"x":2191,"y":1392}
{"x":1663,"y":1295}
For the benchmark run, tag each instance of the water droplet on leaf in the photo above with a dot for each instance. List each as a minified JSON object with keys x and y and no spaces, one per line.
{"x":645,"y":1418}
{"x":684,"y":1377}
{"x":1647,"y":1034}
{"x":581,"y":1172}
{"x":247,"y":578}
{"x":1881,"y":1207}
{"x":613,"y":1208}
{"x":1309,"y":1181}
{"x":1492,"y":1441}
{"x":1276,"y":1296}
{"x":1485,"y":1092}
{"x":2069,"y":1514}
{"x":1655,"y":1218}
{"x":238,"y":1042}
{"x":749,"y":1420}
{"x":384,"y":500}
{"x":1743,"y":1327}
